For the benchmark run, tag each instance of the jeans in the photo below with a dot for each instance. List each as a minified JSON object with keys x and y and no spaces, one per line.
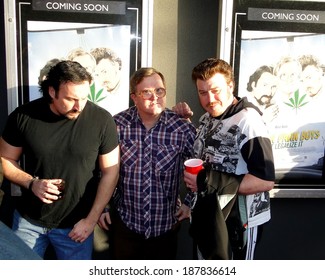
{"x":38,"y":238}
{"x":12,"y":247}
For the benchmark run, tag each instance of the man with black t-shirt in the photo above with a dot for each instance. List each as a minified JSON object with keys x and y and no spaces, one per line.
{"x":62,"y":138}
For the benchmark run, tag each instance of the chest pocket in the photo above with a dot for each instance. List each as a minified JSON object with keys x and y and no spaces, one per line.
{"x":129,"y":152}
{"x":167,"y":157}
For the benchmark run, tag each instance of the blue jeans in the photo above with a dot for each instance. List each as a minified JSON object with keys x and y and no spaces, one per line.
{"x":38,"y":238}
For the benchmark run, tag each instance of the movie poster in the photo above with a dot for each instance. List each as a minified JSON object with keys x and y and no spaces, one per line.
{"x":103,"y":36}
{"x":282,"y":73}
{"x":103,"y":49}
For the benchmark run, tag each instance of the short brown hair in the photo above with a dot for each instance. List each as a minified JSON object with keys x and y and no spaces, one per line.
{"x":140,"y":74}
{"x":211,"y":66}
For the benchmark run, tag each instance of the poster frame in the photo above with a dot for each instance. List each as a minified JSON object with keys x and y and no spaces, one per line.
{"x":141,"y":18}
{"x":287,"y":185}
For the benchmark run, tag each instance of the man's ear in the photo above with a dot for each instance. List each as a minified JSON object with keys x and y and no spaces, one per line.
{"x":231,"y":87}
{"x":133,"y":97}
{"x":52,"y":92}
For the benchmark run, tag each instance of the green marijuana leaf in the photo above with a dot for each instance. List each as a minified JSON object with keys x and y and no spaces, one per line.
{"x":296,"y":102}
{"x":95,"y":97}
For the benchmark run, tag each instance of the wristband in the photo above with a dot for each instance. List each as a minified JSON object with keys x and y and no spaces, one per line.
{"x":30,"y":185}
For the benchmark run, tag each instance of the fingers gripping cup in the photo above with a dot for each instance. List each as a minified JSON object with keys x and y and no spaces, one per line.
{"x":61,"y":187}
{"x":193,"y":165}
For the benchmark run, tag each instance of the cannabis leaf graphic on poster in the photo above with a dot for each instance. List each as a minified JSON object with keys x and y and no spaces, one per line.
{"x":95,"y":97}
{"x":296,"y":101}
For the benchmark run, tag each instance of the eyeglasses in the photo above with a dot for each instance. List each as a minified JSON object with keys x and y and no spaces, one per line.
{"x":148,"y":93}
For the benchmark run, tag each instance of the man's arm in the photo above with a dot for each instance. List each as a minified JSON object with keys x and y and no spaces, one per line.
{"x":110,"y":166}
{"x":10,"y":156}
{"x":252,"y":184}
{"x":45,"y":190}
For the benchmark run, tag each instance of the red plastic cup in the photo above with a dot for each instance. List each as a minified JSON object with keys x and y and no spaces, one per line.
{"x":193,"y":165}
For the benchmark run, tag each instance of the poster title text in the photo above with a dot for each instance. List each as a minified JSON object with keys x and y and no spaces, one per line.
{"x":82,"y":6}
{"x":280,"y":15}
{"x":77,"y":7}
{"x":290,"y":16}
{"x":294,"y":140}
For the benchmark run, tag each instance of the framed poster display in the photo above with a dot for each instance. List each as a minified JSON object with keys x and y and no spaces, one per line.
{"x":279,"y":63}
{"x":106,"y":37}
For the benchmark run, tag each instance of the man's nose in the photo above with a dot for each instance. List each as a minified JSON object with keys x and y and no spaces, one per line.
{"x":211,"y":96}
{"x":77,"y":105}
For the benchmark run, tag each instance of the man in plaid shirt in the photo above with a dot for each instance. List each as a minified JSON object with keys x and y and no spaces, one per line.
{"x":154,"y":142}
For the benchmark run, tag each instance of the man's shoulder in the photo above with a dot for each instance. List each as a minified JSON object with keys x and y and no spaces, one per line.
{"x":173,"y":119}
{"x":32,"y":104}
{"x":126,"y":116}
{"x":96,"y":109}
{"x":251,"y":116}
{"x":177,"y":124}
{"x":32,"y":108}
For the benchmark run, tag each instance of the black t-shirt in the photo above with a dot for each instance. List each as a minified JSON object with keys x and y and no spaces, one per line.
{"x":56,"y":147}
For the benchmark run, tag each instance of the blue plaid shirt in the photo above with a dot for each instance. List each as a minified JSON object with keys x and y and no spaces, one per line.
{"x":151,"y":169}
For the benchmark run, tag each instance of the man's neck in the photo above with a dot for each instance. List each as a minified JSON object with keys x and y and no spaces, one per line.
{"x":149,"y":121}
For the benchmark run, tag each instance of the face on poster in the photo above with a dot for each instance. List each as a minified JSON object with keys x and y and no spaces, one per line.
{"x":282,"y":73}
{"x":103,"y":49}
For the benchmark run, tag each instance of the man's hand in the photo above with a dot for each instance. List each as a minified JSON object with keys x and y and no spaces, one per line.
{"x":47,"y":190}
{"x":184,"y":212}
{"x":81,"y":230}
{"x":104,"y":221}
{"x":190,"y":181}
{"x":182,"y":109}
